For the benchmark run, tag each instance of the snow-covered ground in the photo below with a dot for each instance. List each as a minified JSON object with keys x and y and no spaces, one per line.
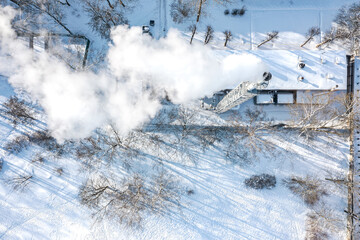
{"x":221,"y":206}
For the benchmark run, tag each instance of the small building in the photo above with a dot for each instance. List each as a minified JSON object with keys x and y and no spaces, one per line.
{"x":297,"y":76}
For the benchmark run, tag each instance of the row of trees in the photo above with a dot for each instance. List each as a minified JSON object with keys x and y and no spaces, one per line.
{"x":346,"y":28}
{"x":37,"y":15}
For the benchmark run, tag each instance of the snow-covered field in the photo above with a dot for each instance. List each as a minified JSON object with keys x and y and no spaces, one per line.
{"x":215,"y":203}
{"x":221,"y":207}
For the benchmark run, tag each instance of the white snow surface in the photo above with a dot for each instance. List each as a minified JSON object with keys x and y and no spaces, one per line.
{"x":221,"y":206}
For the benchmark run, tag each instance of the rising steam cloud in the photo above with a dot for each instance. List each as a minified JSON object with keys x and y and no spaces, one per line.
{"x":76,"y":103}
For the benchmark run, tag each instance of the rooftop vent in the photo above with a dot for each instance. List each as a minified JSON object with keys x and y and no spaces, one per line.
{"x":267,"y":76}
{"x":300,"y":78}
{"x":322,"y":60}
{"x":329,"y":76}
{"x":301,"y":65}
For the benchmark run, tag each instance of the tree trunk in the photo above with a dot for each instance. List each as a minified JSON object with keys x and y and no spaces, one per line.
{"x":324,"y":42}
{"x":226,"y":40}
{"x":31,"y":41}
{"x":199,"y":10}
{"x":308,"y":40}
{"x":86,"y":53}
{"x":122,"y":3}
{"x":193,"y":34}
{"x":46,"y":42}
{"x":267,"y":40}
{"x":109,"y":3}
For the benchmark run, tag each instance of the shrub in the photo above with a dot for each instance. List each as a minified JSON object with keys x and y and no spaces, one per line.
{"x":261,"y":181}
{"x":18,"y":111}
{"x":59,"y":171}
{"x":45,"y":140}
{"x":17,"y":144}
{"x":235,"y":11}
{"x":20,"y":182}
{"x":128,"y":202}
{"x":1,"y":163}
{"x":313,"y":229}
{"x":226,"y":12}
{"x":190,"y":192}
{"x":181,"y":10}
{"x":308,"y":188}
{"x":242,"y":11}
{"x":38,"y":159}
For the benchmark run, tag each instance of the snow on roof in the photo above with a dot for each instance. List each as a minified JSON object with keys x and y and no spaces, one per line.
{"x":284,"y":98}
{"x":323,"y":70}
{"x":264,"y":98}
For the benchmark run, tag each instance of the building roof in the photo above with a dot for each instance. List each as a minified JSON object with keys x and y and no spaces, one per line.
{"x":324,"y":70}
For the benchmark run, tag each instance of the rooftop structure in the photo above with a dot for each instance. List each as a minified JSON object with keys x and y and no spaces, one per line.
{"x":295,"y":74}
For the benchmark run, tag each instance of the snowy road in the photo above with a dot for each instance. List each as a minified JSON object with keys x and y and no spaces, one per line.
{"x":162,"y":18}
{"x":356,"y":154}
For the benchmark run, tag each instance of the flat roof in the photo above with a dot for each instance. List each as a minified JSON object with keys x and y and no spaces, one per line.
{"x":285,"y":98}
{"x":264,"y":98}
{"x":324,"y":70}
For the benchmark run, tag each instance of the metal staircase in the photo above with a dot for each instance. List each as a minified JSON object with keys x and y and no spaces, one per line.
{"x":243,"y":92}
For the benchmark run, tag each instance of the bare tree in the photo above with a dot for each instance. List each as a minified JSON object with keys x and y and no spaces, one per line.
{"x":313,"y":230}
{"x":309,"y":188}
{"x":181,"y":10}
{"x":311,"y":33}
{"x":128,"y":201}
{"x":323,"y":112}
{"x":192,"y":28}
{"x":321,"y":221}
{"x":201,"y":3}
{"x":252,"y":127}
{"x":65,"y":3}
{"x":228,"y":37}
{"x":346,"y":29}
{"x":247,"y":136}
{"x":333,"y":34}
{"x":33,"y":10}
{"x":185,"y":118}
{"x":108,"y":145}
{"x":103,"y":18}
{"x":209,"y":34}
{"x":18,"y":111}
{"x":165,"y":192}
{"x":17,"y":144}
{"x":20,"y":182}
{"x":348,"y":25}
{"x":270,"y":36}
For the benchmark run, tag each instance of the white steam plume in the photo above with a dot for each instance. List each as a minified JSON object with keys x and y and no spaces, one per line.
{"x":76,"y":103}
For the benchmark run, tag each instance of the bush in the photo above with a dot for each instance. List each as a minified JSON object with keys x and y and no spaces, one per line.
{"x":235,"y":11}
{"x":1,"y":163}
{"x":261,"y":181}
{"x":128,"y":202}
{"x":59,"y":171}
{"x":18,"y":111}
{"x":313,"y":230}
{"x":242,"y":11}
{"x":20,"y":182}
{"x":181,"y":10}
{"x":102,"y":19}
{"x":17,"y":144}
{"x":45,"y":140}
{"x":308,"y":188}
{"x":226,"y":12}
